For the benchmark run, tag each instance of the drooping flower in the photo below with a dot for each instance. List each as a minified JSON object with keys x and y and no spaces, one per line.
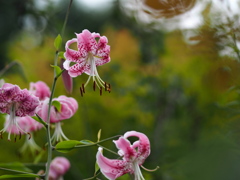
{"x":92,"y":51}
{"x":133,"y":156}
{"x":68,"y":107}
{"x":25,"y":124}
{"x":40,"y":89}
{"x":58,"y":167}
{"x":16,"y":102}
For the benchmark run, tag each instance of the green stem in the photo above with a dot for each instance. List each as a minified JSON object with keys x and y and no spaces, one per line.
{"x":50,"y":147}
{"x":108,"y":149}
{"x":66,"y":18}
{"x":93,"y":144}
{"x":236,"y":47}
{"x":16,"y":171}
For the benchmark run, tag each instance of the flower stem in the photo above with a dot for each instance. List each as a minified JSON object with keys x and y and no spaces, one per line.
{"x":50,"y":147}
{"x":66,"y":18}
{"x":93,"y":144}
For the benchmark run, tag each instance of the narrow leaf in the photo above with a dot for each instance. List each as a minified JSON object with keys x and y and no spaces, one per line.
{"x":57,"y":69}
{"x":99,"y":135}
{"x":39,"y":119}
{"x":96,"y":168}
{"x":19,"y":176}
{"x":66,"y":146}
{"x":61,"y":55}
{"x":57,"y":105}
{"x":15,"y":166}
{"x":58,"y":42}
{"x":86,"y":142}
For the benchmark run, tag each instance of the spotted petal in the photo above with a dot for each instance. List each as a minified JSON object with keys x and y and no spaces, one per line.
{"x":111,"y":168}
{"x":143,"y":145}
{"x":87,"y":42}
{"x":72,"y":55}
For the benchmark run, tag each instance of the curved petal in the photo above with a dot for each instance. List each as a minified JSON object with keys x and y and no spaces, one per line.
{"x":66,"y":64}
{"x":111,"y":168}
{"x":40,"y":89}
{"x":87,"y":42}
{"x":72,"y":55}
{"x":125,"y":148}
{"x":77,"y":69}
{"x":143,"y":145}
{"x":103,"y":56}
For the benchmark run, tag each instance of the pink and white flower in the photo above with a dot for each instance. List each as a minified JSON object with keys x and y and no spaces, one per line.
{"x":92,"y":51}
{"x":68,"y":107}
{"x":40,"y":89}
{"x":58,"y":167}
{"x":26,"y":124}
{"x":16,"y":102}
{"x":133,"y":155}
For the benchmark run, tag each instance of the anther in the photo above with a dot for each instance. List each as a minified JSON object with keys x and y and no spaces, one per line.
{"x":83,"y":88}
{"x":100,"y":91}
{"x":1,"y":135}
{"x":105,"y":86}
{"x":109,"y":88}
{"x":15,"y":139}
{"x":29,"y":136}
{"x":20,"y":135}
{"x":94,"y":85}
{"x":81,"y":91}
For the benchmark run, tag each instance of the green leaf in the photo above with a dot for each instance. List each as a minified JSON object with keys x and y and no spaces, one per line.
{"x":39,"y":119}
{"x":58,"y":42}
{"x":58,"y":70}
{"x":66,"y":146}
{"x":86,"y":142}
{"x":57,"y":105}
{"x":61,"y":55}
{"x":99,"y":135}
{"x":19,"y":176}
{"x":96,"y":168}
{"x":15,"y":166}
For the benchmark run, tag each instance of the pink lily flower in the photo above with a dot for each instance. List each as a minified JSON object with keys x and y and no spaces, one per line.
{"x":58,"y":167}
{"x":40,"y":89}
{"x":26,"y":124}
{"x":92,"y":51}
{"x":133,"y":155}
{"x":69,"y":107}
{"x":16,"y":102}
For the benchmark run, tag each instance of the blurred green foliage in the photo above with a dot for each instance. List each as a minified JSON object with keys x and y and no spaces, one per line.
{"x":184,"y":97}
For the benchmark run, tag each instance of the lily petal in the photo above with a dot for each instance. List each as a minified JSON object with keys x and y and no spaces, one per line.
{"x":143,"y":145}
{"x":110,"y":168}
{"x":125,"y":148}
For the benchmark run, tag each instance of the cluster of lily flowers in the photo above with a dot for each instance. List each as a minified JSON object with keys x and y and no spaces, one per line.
{"x":20,"y":105}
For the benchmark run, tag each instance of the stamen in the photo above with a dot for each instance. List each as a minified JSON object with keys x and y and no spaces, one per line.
{"x":109,"y":88}
{"x":83,"y":89}
{"x":29,"y":135}
{"x":105,"y":86}
{"x":150,"y":170}
{"x":94,"y":85}
{"x":20,"y":135}
{"x":1,"y":135}
{"x":100,"y":91}
{"x":15,"y":139}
